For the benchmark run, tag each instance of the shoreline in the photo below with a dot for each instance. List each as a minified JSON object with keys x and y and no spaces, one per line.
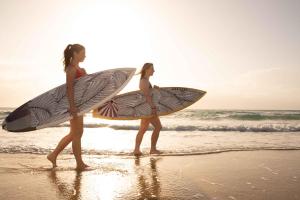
{"x":68,"y":151}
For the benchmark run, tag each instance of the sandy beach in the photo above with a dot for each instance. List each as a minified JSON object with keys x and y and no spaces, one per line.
{"x":249,"y":175}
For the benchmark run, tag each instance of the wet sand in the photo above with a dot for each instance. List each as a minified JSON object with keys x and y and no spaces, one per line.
{"x":232,"y":175}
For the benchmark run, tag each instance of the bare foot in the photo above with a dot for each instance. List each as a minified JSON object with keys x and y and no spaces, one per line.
{"x":137,"y":153}
{"x":82,"y":167}
{"x":155,"y":151}
{"x":52,"y":159}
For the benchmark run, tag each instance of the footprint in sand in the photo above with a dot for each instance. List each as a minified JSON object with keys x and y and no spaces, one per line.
{"x":295,"y":178}
{"x":263,"y":178}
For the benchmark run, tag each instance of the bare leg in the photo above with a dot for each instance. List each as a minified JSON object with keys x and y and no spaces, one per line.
{"x":157,"y":127}
{"x":61,"y":145}
{"x":139,"y":137}
{"x":77,"y":131}
{"x":76,"y":126}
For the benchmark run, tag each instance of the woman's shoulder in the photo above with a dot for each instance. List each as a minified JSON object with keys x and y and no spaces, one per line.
{"x":144,"y":80}
{"x":144,"y":83}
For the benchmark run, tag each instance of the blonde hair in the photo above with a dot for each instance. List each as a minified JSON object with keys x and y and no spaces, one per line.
{"x":144,"y":69}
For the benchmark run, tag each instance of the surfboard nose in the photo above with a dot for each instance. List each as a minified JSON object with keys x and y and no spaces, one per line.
{"x":17,"y":121}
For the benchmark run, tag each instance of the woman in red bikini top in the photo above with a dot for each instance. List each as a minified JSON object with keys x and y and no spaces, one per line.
{"x":80,"y":72}
{"x":73,"y":55}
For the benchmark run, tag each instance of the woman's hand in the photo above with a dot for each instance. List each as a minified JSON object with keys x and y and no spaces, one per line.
{"x":74,"y":110}
{"x":154,"y":111}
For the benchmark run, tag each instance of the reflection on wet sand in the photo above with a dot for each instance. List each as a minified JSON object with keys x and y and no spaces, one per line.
{"x":109,"y":182}
{"x":148,"y":188}
{"x":64,"y":189}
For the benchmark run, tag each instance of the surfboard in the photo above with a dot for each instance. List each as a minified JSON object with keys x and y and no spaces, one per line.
{"x":51,"y":107}
{"x":133,"y":105}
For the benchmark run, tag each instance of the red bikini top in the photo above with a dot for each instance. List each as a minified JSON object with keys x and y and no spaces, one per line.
{"x":79,"y":72}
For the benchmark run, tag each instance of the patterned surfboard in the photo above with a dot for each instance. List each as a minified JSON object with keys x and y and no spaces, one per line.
{"x":133,"y":105}
{"x":51,"y":108}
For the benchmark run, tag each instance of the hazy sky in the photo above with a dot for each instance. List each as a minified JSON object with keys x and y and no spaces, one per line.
{"x":244,"y":53}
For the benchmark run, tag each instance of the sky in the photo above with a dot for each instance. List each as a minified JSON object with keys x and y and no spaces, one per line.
{"x":244,"y":53}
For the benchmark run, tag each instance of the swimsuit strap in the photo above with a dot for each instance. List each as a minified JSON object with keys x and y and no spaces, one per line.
{"x":79,"y":72}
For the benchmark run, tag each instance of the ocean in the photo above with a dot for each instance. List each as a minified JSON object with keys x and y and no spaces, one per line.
{"x":187,"y":132}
